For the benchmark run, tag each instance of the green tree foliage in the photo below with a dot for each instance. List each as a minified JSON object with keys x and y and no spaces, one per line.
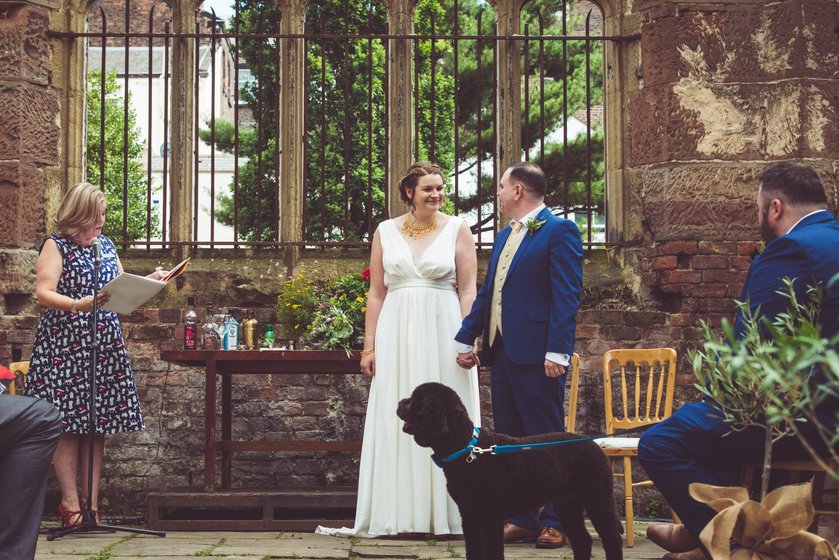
{"x":256,"y":214}
{"x":140,"y":222}
{"x":563,"y":64}
{"x":454,"y":96}
{"x":344,"y":122}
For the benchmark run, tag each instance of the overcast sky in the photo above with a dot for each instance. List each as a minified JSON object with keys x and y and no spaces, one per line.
{"x":223,"y":8}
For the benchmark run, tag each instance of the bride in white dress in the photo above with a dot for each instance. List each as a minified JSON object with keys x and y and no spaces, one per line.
{"x":423,"y":272}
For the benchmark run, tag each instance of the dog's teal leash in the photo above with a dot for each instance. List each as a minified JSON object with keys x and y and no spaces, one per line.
{"x":472,"y":450}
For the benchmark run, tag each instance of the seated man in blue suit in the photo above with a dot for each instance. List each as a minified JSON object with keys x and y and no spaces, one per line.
{"x":29,"y":432}
{"x":526,"y":311}
{"x":802,"y":242}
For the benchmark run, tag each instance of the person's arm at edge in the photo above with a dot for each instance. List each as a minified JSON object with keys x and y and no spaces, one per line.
{"x":566,"y":270}
{"x":47,"y":272}
{"x":375,"y":299}
{"x":466,"y":265}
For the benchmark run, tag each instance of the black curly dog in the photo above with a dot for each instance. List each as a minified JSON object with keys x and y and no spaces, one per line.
{"x":576,"y":477}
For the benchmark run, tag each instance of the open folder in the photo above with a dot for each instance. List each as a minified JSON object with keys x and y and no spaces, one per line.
{"x":129,"y":291}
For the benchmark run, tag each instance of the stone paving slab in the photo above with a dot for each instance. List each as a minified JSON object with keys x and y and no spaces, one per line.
{"x":87,"y":544}
{"x":230,"y":545}
{"x":163,"y":546}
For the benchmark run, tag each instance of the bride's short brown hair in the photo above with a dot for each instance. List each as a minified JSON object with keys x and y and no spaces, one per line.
{"x":412,"y":177}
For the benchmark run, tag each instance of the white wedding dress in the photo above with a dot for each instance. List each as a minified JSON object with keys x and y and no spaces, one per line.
{"x":400,"y":489}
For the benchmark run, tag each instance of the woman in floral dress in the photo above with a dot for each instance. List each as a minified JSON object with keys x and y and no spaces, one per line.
{"x":60,"y":363}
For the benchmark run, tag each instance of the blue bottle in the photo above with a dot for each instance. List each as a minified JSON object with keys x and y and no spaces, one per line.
{"x":231,"y":333}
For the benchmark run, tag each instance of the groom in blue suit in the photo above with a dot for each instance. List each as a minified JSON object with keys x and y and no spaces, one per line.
{"x":695,"y":444}
{"x":526,"y":311}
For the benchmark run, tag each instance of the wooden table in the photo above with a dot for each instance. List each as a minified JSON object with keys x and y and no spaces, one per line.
{"x":233,"y":362}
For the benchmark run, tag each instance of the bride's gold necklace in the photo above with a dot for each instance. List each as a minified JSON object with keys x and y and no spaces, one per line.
{"x":418,"y":232}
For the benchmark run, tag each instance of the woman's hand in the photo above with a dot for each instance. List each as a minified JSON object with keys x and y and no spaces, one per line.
{"x":158,"y":274}
{"x":86,"y":303}
{"x":368,"y":365}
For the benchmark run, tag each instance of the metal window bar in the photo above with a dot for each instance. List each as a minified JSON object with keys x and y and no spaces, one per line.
{"x":455,"y":40}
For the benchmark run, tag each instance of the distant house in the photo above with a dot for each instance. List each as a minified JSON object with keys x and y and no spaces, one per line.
{"x":149,"y":80}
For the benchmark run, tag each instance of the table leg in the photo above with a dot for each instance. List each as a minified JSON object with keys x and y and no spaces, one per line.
{"x":210,"y":427}
{"x":226,"y":427}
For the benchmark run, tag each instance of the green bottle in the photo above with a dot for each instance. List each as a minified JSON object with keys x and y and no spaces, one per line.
{"x":268,"y":339}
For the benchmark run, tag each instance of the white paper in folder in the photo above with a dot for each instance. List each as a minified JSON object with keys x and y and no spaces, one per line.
{"x":129,"y":291}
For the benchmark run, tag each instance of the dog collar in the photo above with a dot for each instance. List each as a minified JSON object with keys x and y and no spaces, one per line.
{"x":460,"y":453}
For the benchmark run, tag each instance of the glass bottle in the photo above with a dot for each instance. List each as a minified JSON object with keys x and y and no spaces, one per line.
{"x":231,"y":332}
{"x":249,"y":330}
{"x":268,"y":339}
{"x":209,"y":335}
{"x":190,"y":325}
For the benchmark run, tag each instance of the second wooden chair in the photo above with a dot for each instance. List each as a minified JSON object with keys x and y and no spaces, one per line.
{"x":647,"y":378}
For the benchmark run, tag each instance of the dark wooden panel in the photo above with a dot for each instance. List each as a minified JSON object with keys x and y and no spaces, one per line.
{"x":290,"y":445}
{"x":287,"y":509}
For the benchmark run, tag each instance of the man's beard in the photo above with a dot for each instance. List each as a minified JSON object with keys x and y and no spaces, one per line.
{"x":766,"y":232}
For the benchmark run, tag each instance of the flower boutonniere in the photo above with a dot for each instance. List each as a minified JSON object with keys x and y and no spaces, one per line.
{"x":533,"y":225}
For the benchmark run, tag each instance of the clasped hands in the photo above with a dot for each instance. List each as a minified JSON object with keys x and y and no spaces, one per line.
{"x":468,"y":360}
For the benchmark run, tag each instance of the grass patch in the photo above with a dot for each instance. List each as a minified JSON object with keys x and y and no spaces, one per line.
{"x":453,"y":552}
{"x":105,"y":553}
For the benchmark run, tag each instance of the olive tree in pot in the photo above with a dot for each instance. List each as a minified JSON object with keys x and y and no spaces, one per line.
{"x":776,"y":376}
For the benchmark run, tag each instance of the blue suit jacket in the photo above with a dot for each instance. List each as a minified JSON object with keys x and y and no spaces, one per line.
{"x":540,"y":296}
{"x":810,"y":255}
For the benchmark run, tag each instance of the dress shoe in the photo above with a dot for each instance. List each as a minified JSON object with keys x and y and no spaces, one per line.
{"x":672,"y":537}
{"x":695,"y":554}
{"x":514,"y":534}
{"x":551,"y":538}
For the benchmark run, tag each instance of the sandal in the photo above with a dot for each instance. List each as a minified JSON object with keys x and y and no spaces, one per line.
{"x":69,"y":518}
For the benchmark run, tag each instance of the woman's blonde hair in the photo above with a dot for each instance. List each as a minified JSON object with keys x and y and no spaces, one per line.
{"x":79,"y":209}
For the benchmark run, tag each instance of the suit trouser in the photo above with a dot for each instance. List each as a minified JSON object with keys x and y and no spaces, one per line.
{"x":696,"y":445}
{"x":526,"y":402}
{"x":29,"y":432}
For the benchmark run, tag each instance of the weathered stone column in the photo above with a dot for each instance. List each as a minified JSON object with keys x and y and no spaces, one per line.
{"x":292,"y":126}
{"x":70,"y":83}
{"x":400,"y":99}
{"x":622,"y":62}
{"x":29,"y":149}
{"x":182,"y":121}
{"x":508,"y":93}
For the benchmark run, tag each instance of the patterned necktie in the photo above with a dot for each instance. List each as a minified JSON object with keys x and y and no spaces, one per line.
{"x":504,"y":260}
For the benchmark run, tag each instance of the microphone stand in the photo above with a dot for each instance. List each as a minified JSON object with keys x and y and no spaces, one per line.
{"x":88,"y":522}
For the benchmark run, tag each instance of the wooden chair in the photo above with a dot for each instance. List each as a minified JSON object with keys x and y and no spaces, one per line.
{"x":573,"y":391}
{"x":21,"y":370}
{"x":646,"y":396}
{"x":825,"y":498}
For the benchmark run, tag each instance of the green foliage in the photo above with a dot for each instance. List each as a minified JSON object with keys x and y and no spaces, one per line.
{"x":765,"y":378}
{"x":339,"y":320}
{"x":296,"y":303}
{"x":134,"y":192}
{"x":257,"y":213}
{"x":328,"y":315}
{"x":454,"y":92}
{"x":343,"y":122}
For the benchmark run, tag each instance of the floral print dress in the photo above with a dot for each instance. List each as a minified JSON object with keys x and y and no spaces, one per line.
{"x":59,"y":368}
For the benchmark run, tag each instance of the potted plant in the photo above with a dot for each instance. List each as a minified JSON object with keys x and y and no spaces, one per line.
{"x":297,"y":300}
{"x":772,"y":377}
{"x":338,"y":321}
